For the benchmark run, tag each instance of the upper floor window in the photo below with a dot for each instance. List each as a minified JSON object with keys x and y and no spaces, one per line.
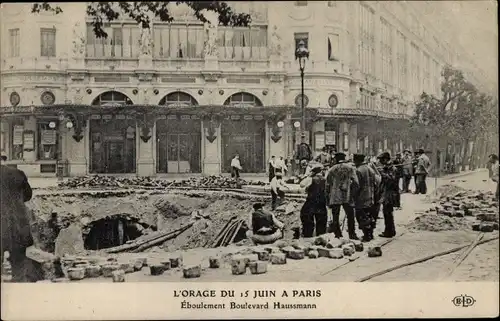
{"x":122,"y":41}
{"x":242,"y":43}
{"x":47,"y":42}
{"x":333,"y":47}
{"x":171,"y":41}
{"x":300,"y":3}
{"x":304,"y":36}
{"x":14,"y":42}
{"x":243,"y":98}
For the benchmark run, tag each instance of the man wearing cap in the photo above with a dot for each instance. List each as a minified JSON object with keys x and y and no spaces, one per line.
{"x":264,"y":227}
{"x":390,"y":191}
{"x":341,"y":187}
{"x":421,"y":172}
{"x":365,"y":199}
{"x":304,"y":154}
{"x":407,"y":171}
{"x":277,"y":190}
{"x":313,"y":212}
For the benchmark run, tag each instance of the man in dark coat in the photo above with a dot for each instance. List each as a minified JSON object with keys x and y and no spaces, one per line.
{"x":341,"y":187}
{"x":16,"y":229}
{"x":304,"y":154}
{"x":313,"y":212}
{"x":368,"y":182}
{"x":390,"y":191}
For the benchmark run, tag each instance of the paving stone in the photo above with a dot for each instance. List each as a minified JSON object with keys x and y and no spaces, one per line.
{"x":486,"y":227}
{"x":144,"y":261}
{"x":358,"y":246}
{"x":476,"y":227}
{"x":77,"y":273}
{"x":263,"y":255}
{"x":127,"y":267}
{"x":175,"y":262}
{"x":156,"y":269}
{"x":313,"y":254}
{"x":93,"y":271}
{"x":374,"y":251}
{"x":348,"y":250}
{"x":238,"y":265}
{"x":214,"y":262}
{"x":287,"y":249}
{"x":258,"y":267}
{"x":118,"y":276}
{"x":335,"y":243}
{"x":272,"y":249}
{"x":191,"y":271}
{"x":278,"y":258}
{"x":167,"y":264}
{"x":296,"y":254}
{"x":138,"y":265}
{"x":107,"y":270}
{"x":323,"y":251}
{"x":280,"y":244}
{"x":336,"y":253}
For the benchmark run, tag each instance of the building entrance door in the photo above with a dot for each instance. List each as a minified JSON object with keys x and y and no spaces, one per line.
{"x":247,"y":139}
{"x":178,"y":146}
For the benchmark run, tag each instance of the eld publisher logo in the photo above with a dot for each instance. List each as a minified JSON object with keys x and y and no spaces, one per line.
{"x":463,"y":301}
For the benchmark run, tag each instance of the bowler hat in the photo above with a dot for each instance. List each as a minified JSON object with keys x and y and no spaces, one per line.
{"x":358,"y":158}
{"x":384,"y":155}
{"x":256,"y":206}
{"x":420,"y":151}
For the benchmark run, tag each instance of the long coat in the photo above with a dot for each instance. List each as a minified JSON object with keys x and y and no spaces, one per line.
{"x":15,"y":190}
{"x":369,"y":182}
{"x":390,"y":186}
{"x":341,"y":184}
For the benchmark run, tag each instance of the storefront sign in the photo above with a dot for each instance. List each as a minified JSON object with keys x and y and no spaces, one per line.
{"x":18,"y":135}
{"x":319,"y":140}
{"x":330,"y":138}
{"x":48,"y":137}
{"x":242,"y":138}
{"x":29,"y":140}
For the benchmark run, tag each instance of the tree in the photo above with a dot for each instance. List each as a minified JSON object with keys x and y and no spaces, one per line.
{"x":105,"y":12}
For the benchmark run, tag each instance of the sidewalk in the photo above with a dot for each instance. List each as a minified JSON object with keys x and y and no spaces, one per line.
{"x":47,"y":182}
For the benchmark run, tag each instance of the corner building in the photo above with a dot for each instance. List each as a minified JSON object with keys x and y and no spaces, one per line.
{"x":185,"y":97}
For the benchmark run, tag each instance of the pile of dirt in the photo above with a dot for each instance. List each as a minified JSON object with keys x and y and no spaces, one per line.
{"x":436,"y":223}
{"x":103,"y":182}
{"x":444,"y":191}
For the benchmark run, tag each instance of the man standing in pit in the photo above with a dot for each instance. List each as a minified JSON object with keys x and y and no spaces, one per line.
{"x":390,"y":191}
{"x":341,"y":186}
{"x":365,"y":199}
{"x":277,"y":190}
{"x":313,"y":212}
{"x":16,"y":229}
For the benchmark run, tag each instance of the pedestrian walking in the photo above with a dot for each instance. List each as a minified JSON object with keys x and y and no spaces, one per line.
{"x":421,"y":172}
{"x":277,"y":191}
{"x":407,"y":171}
{"x":341,"y":186}
{"x":390,"y":189}
{"x":365,"y":199}
{"x":495,"y":172}
{"x":16,"y":229}
{"x":313,"y":214}
{"x":236,"y":166}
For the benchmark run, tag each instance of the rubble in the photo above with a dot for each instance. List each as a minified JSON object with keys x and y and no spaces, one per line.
{"x":191,"y":271}
{"x":375,"y":251}
{"x":238,"y":265}
{"x":278,"y":258}
{"x":336,"y":253}
{"x":214,"y":262}
{"x":313,"y":254}
{"x":76,"y":273}
{"x":118,"y":276}
{"x":108,"y":269}
{"x":295,"y":254}
{"x":258,"y":267}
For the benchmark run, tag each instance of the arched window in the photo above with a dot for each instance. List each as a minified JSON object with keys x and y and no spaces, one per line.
{"x":245,"y":99}
{"x":112,"y":98}
{"x":178,"y":98}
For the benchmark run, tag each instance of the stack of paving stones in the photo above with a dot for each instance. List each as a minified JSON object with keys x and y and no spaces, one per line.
{"x":479,"y":205}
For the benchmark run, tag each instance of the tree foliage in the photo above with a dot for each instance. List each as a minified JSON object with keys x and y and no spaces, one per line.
{"x":143,"y":11}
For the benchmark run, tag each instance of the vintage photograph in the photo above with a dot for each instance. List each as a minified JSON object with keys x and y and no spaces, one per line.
{"x":249,"y":141}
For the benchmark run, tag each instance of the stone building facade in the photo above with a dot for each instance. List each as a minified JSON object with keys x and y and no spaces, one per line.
{"x":185,"y":97}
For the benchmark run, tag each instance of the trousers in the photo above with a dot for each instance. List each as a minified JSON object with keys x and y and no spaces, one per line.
{"x":235,"y":172}
{"x":421,"y":186}
{"x":313,"y":217}
{"x":406,"y":183}
{"x":349,"y":211}
{"x":374,"y":211}
{"x":390,"y":228}
{"x":274,"y":198}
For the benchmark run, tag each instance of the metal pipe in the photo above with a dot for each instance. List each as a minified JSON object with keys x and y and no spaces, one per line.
{"x":303,"y":122}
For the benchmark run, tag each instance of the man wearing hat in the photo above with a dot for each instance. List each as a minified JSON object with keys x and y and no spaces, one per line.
{"x":277,"y":190}
{"x":365,"y":199}
{"x":341,"y":187}
{"x":313,"y":212}
{"x":407,"y":170}
{"x":421,"y":171}
{"x":304,"y":154}
{"x":264,"y":227}
{"x":390,"y":192}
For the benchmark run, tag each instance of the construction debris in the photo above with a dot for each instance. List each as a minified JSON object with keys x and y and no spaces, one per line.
{"x":192,"y":271}
{"x":97,"y":181}
{"x":258,"y":267}
{"x":118,"y":276}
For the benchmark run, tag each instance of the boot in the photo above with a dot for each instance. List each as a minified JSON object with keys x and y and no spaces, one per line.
{"x":366,"y":236}
{"x":353,"y":237}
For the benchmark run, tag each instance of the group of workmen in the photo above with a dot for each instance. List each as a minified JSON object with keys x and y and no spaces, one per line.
{"x":361,"y":186}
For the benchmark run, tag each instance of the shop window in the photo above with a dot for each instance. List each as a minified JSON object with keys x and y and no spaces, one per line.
{"x":48,"y":139}
{"x":243,"y":99}
{"x":17,"y":140}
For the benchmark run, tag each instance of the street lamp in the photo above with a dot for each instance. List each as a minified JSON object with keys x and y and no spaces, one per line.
{"x":301,"y":54}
